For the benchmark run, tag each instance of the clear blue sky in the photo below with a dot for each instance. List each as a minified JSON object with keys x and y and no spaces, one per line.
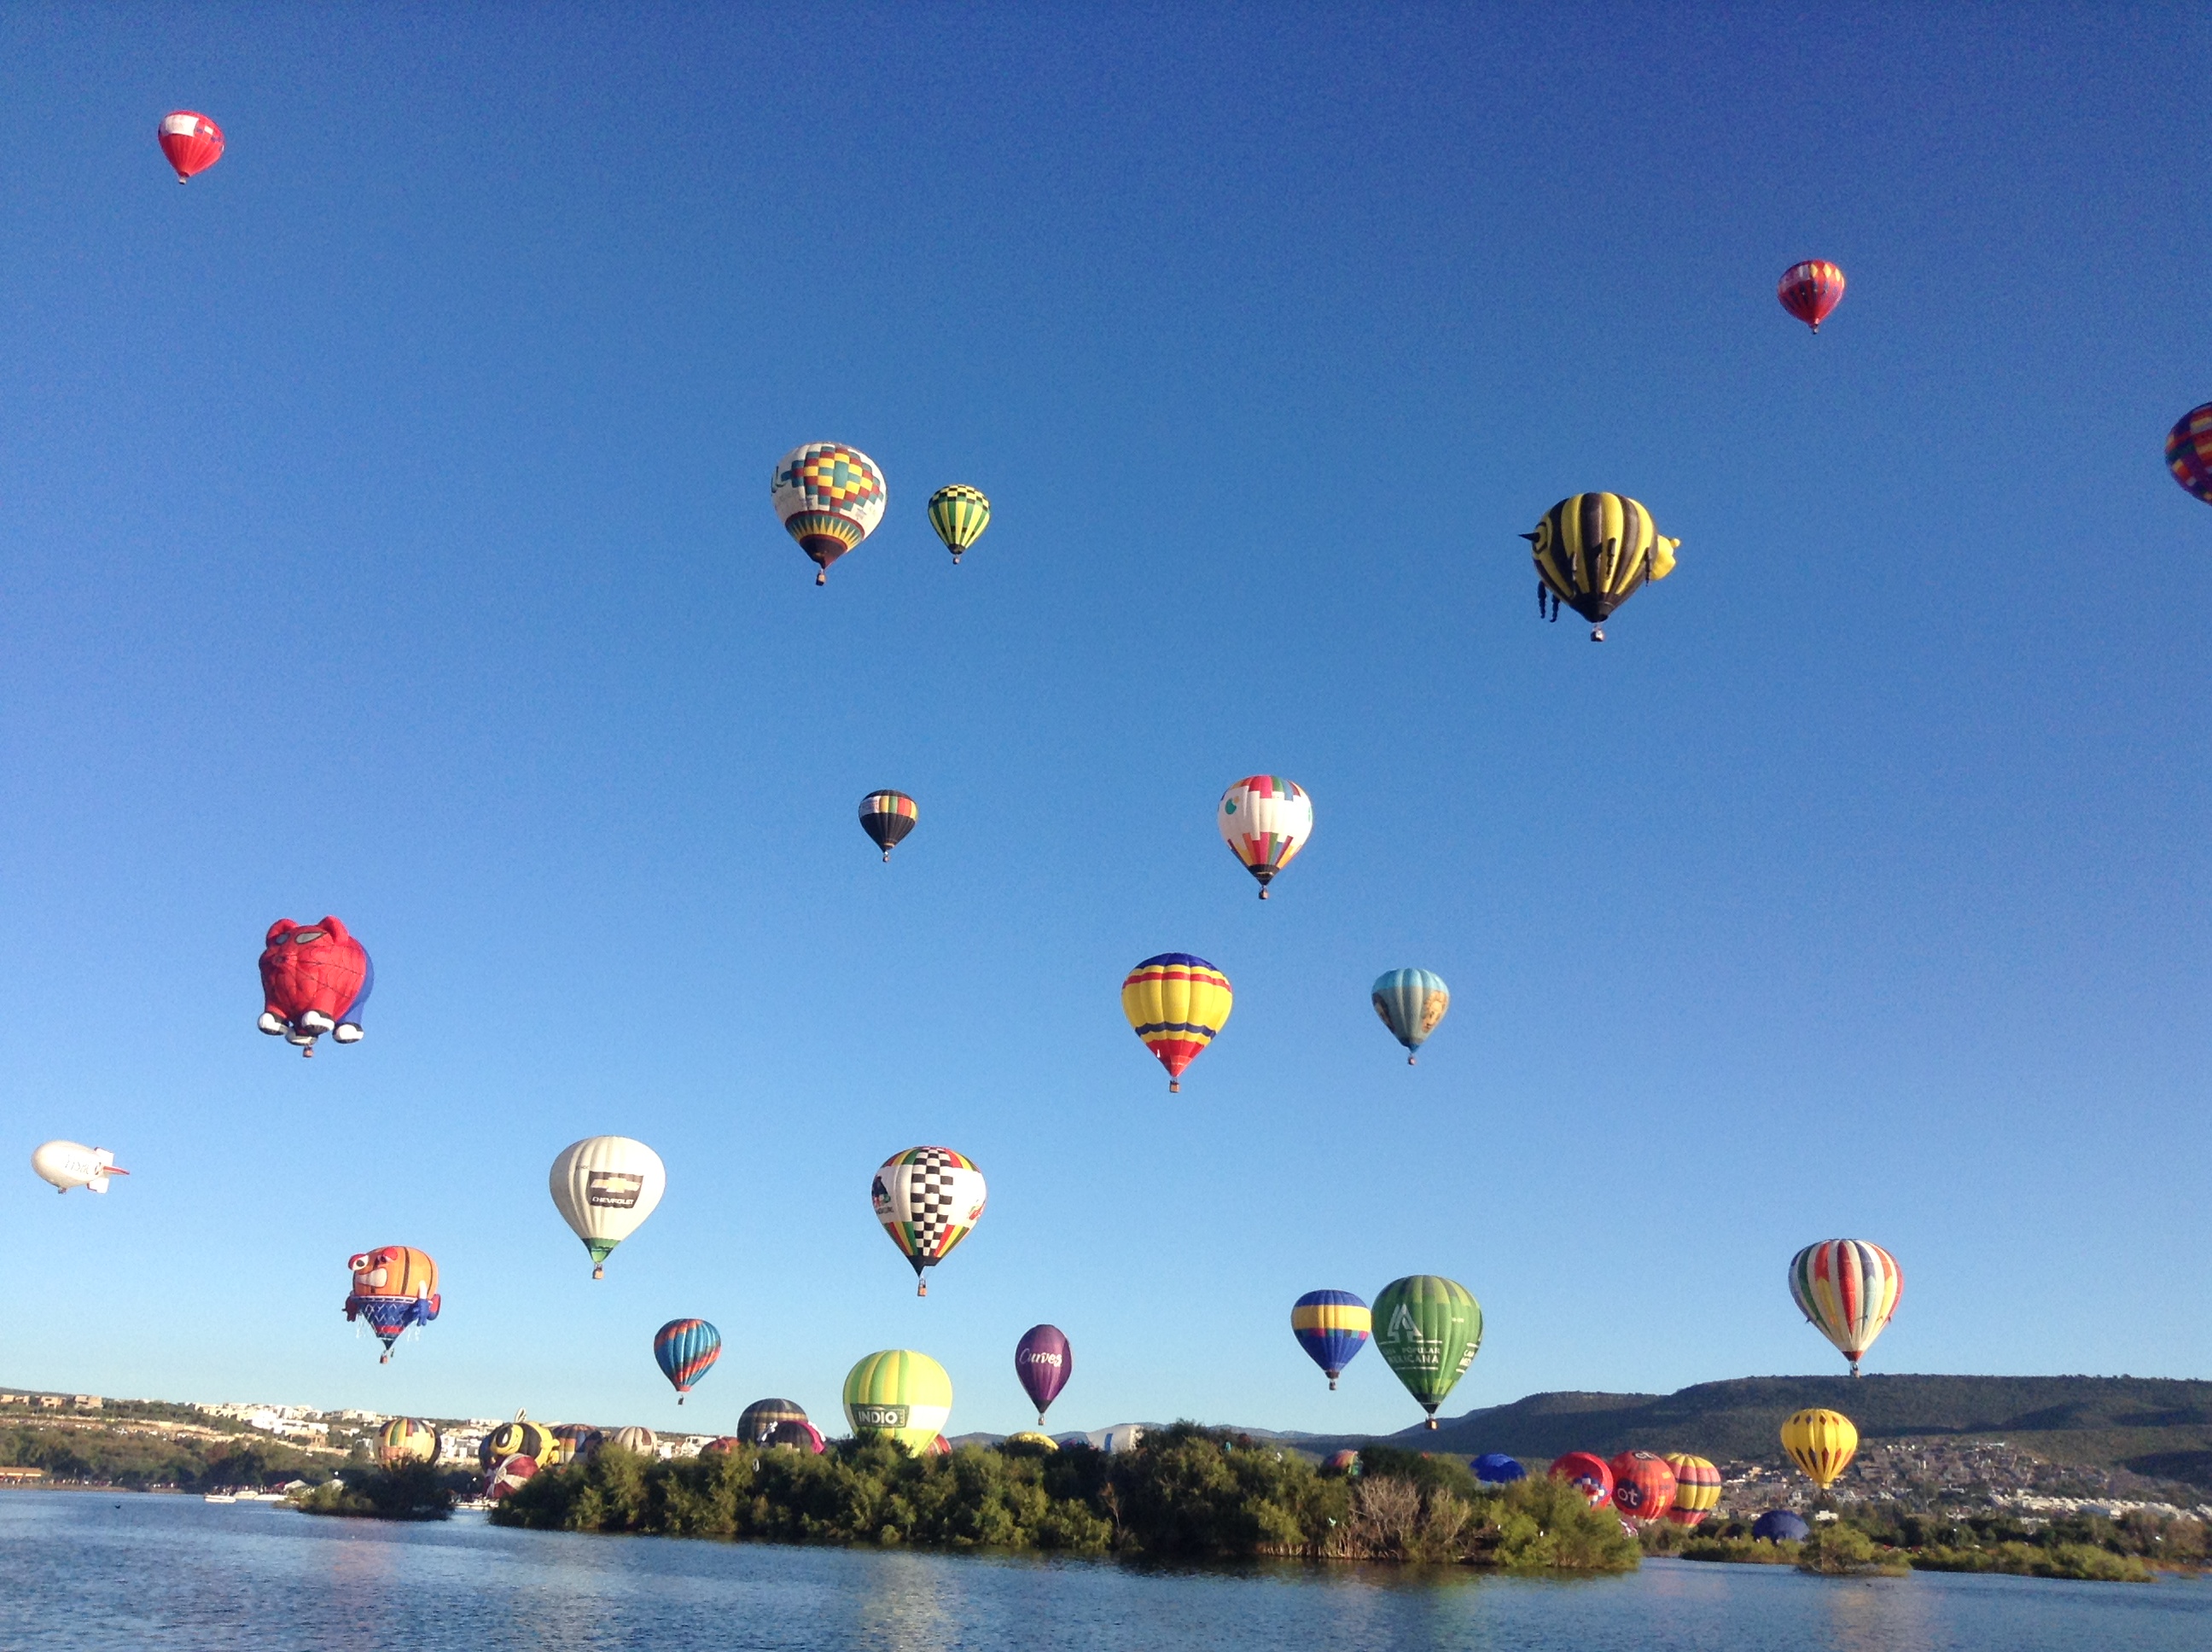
{"x":384,"y":531}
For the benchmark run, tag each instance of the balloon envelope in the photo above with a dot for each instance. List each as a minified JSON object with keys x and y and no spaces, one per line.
{"x":759,"y":1420}
{"x":2189,"y":452}
{"x":67,"y":1164}
{"x":520,"y":1438}
{"x":394,"y":1287}
{"x":1411,"y":1003}
{"x":1595,"y":551}
{"x":684,"y":1349}
{"x":899,"y":1393}
{"x":191,"y":143}
{"x":315,"y":979}
{"x":643,"y":1441}
{"x":604,"y":1186}
{"x":829,"y":497}
{"x":1265,"y":820}
{"x":887,"y":817}
{"x":1342,"y":1462}
{"x":1697,"y":1488}
{"x":1043,"y":1362}
{"x":1820,"y":1443}
{"x":1848,"y":1289}
{"x":406,"y":1440}
{"x":1811,"y":290}
{"x":1176,"y":1002}
{"x":1781,"y":1525}
{"x":1589,"y":1473}
{"x":928,"y":1199}
{"x":1643,"y":1484}
{"x":800,"y":1435}
{"x":1332,"y":1326}
{"x":574,"y":1442}
{"x":1496,"y":1468}
{"x":959,"y":514}
{"x":1428,"y":1329}
{"x":511,"y":1474}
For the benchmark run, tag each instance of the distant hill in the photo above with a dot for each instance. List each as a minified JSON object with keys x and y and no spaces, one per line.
{"x":2153,"y":1426}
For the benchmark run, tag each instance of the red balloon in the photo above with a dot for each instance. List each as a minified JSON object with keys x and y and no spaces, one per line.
{"x":314,"y":980}
{"x":508,"y":1478}
{"x":1589,"y":1472}
{"x":1810,"y":290}
{"x":1643,"y":1484}
{"x":192,"y":142}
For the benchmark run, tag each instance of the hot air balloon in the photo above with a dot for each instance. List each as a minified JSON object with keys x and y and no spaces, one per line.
{"x":1428,"y":1329}
{"x":1265,"y":820}
{"x":829,"y":497}
{"x":574,"y":1442}
{"x":800,"y":1436}
{"x":761,"y":1417}
{"x":1332,"y":1326}
{"x":1820,"y":1443}
{"x":1496,"y":1468}
{"x":1040,"y":1444}
{"x":520,"y":1438}
{"x":1043,"y":1362}
{"x":407,"y":1440}
{"x":927,"y":1199}
{"x":887,"y":816}
{"x":314,"y":980}
{"x":642,"y":1441}
{"x":604,"y":1186}
{"x":959,"y":514}
{"x":1595,"y":551}
{"x":1697,"y":1488}
{"x":1810,"y":290}
{"x":394,"y":1287}
{"x":1588,"y":1472}
{"x":1411,"y":1003}
{"x":684,"y":1349}
{"x":510,"y":1476}
{"x":1342,"y":1462}
{"x":2189,"y":452}
{"x":1781,"y":1525}
{"x":939,"y":1446}
{"x":192,"y":143}
{"x":1177,"y":1003}
{"x":1643,"y":1484}
{"x":68,"y":1165}
{"x":723,"y":1445}
{"x":901,"y":1393}
{"x":1847,"y":1289}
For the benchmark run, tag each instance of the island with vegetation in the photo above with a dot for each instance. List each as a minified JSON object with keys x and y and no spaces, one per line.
{"x":1872,"y":1538}
{"x":1185,"y":1492}
{"x":406,"y":1490}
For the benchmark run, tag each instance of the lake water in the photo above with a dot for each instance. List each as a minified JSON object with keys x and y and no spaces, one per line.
{"x":81,"y":1570}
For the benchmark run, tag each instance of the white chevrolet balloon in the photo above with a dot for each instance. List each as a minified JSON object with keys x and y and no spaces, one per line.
{"x":70,"y":1164}
{"x":604,"y":1186}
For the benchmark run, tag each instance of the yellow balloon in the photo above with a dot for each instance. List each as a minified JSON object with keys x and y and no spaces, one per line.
{"x":900,"y":1393}
{"x":1821,"y":1443}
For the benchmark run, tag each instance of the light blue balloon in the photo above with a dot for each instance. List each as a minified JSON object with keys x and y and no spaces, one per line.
{"x":1411,"y":1003}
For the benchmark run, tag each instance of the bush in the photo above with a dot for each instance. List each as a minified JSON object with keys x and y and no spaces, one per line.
{"x":409,"y":1492}
{"x":1838,"y":1550}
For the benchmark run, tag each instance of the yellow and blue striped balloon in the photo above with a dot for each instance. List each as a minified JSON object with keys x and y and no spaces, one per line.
{"x":1176,"y":1002}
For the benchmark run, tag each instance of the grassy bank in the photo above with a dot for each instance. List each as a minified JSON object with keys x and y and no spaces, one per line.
{"x":1186,"y":1493}
{"x":2085,"y":1548}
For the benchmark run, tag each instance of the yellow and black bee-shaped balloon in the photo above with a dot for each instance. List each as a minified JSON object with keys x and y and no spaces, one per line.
{"x":1594,"y":552}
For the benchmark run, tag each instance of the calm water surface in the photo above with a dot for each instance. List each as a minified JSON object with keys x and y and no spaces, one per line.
{"x":80,"y":1570}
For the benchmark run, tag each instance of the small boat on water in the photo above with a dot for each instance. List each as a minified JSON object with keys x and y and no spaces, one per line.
{"x":221,"y":1496}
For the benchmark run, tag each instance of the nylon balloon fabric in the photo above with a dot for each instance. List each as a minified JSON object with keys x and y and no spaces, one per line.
{"x":887,"y":817}
{"x":1332,"y":1326}
{"x":1265,"y":820}
{"x":1428,"y":1330}
{"x":1043,"y":1362}
{"x":2189,"y":452}
{"x":1697,"y":1488}
{"x":928,"y":1200}
{"x":1811,"y":290}
{"x":1595,"y":551}
{"x":1821,"y":1443}
{"x":1177,"y":1003}
{"x":959,"y":514}
{"x":1848,"y":1289}
{"x":684,"y":1349}
{"x":1411,"y":1003}
{"x":829,"y":497}
{"x":191,"y":143}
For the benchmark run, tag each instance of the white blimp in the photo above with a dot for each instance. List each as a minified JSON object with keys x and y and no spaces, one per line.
{"x":70,"y":1164}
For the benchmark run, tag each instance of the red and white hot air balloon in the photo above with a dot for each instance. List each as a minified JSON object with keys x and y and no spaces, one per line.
{"x":1811,"y":290}
{"x":192,"y":141}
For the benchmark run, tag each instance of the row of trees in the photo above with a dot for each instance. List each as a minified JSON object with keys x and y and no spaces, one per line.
{"x":111,"y":1457}
{"x":1874,"y":1537}
{"x":1185,"y":1492}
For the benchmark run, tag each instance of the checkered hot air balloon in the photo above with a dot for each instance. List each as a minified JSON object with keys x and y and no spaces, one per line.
{"x":2189,"y":452}
{"x":1265,"y":820}
{"x":1848,"y":1289}
{"x":927,"y":1199}
{"x":1176,"y":1002}
{"x":959,"y":514}
{"x":1595,"y":551}
{"x":1332,"y":1326}
{"x":1811,"y":290}
{"x":684,"y":1349}
{"x":189,"y":142}
{"x":829,"y":497}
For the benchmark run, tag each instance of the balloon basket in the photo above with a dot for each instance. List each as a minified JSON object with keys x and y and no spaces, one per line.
{"x":921,"y":1287}
{"x":1174,"y":1086}
{"x":821,"y":576}
{"x":599,"y":1273}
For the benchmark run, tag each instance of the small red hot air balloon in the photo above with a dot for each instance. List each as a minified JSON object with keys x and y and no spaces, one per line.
{"x":1810,"y":290}
{"x":1588,"y":1473}
{"x":1643,"y":1484}
{"x":192,"y":141}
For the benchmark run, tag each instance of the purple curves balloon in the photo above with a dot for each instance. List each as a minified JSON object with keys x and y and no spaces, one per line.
{"x":1044,"y":1362}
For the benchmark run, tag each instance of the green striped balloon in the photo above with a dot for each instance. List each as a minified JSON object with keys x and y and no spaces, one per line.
{"x":959,"y":514}
{"x":1427,"y":1329}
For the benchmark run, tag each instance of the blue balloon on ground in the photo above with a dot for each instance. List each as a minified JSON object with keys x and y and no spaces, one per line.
{"x":1496,"y":1468}
{"x":1780,"y":1526}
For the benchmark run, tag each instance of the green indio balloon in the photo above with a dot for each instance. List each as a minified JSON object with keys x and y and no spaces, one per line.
{"x":1427,"y":1329}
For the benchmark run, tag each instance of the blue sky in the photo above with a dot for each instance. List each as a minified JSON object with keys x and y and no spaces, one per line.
{"x":384,"y":531}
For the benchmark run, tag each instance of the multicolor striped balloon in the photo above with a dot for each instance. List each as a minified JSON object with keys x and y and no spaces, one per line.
{"x":959,"y":514}
{"x":1332,"y":1326}
{"x":1697,"y":1488}
{"x":928,"y":1199}
{"x":2189,"y":452}
{"x":887,"y":817}
{"x":1811,"y":290}
{"x":1176,"y":1002}
{"x":1411,"y":1003}
{"x":1265,"y":820}
{"x":407,"y":1440}
{"x":1595,"y":551}
{"x":829,"y":497}
{"x":684,"y":1349}
{"x":1821,"y":1443}
{"x":1848,"y":1289}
